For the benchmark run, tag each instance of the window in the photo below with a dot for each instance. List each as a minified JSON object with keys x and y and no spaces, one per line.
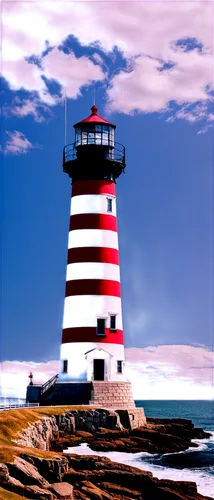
{"x":119,"y":366}
{"x":65,"y":366}
{"x":91,"y":138}
{"x":109,"y":204}
{"x":101,"y":326}
{"x":78,"y":136}
{"x":113,"y":322}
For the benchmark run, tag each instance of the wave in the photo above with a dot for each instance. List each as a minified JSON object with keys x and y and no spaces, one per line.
{"x":145,"y":461}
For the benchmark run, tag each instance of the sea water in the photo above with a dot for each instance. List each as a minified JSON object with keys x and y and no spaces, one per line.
{"x":194,"y":464}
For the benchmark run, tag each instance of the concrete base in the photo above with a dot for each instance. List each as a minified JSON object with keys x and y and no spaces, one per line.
{"x":115,"y":395}
{"x":33,"y":393}
{"x":70,"y":393}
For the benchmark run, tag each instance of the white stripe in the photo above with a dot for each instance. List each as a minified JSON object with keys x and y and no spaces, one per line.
{"x":100,"y":238}
{"x":100,"y":306}
{"x":91,"y":204}
{"x":92,"y":270}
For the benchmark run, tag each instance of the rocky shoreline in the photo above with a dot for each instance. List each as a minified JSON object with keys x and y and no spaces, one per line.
{"x":75,"y":477}
{"x":158,"y":436}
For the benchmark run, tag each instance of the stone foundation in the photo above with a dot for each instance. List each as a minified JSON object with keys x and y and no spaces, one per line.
{"x":115,"y":395}
{"x":131,"y":419}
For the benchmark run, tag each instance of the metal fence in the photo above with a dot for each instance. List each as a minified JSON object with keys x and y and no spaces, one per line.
{"x":15,"y":406}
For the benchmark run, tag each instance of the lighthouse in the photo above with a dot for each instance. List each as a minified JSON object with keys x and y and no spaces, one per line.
{"x":92,"y":361}
{"x":92,"y":348}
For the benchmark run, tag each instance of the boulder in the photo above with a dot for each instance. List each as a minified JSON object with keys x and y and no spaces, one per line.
{"x":95,"y":491}
{"x":14,"y":485}
{"x":51,"y":469}
{"x":121,"y":490}
{"x":38,"y":493}
{"x":4,"y":473}
{"x":64,"y":491}
{"x":26,"y":473}
{"x":100,"y":478}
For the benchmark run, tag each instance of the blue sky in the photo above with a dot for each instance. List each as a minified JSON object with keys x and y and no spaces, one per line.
{"x":150,"y":66}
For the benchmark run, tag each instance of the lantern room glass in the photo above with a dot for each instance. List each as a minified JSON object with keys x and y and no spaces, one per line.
{"x":99,"y":134}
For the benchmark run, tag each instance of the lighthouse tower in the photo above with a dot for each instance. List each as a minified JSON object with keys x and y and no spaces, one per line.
{"x":92,"y":348}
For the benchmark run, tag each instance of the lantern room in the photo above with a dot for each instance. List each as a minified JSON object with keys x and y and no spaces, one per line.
{"x":94,"y":130}
{"x":95,"y":144}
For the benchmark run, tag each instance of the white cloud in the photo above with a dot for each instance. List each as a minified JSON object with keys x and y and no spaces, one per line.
{"x":25,"y":107}
{"x":145,"y":29}
{"x":170,"y":372}
{"x":17,"y":144}
{"x":161,"y":372}
{"x":148,"y":89}
{"x":69,"y":71}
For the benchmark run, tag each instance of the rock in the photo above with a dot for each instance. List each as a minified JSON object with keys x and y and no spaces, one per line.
{"x":38,"y":493}
{"x":111,"y":433}
{"x":62,"y":443}
{"x":39,"y":434}
{"x":26,"y":473}
{"x":156,"y":437}
{"x":4,"y":473}
{"x":51,"y":469}
{"x":84,"y":435}
{"x":97,"y":477}
{"x":64,"y":491}
{"x":117,"y":489}
{"x":14,"y":485}
{"x":95,"y":491}
{"x":94,"y":477}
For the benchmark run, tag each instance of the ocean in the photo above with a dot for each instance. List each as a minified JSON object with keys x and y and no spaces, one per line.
{"x":194,"y":464}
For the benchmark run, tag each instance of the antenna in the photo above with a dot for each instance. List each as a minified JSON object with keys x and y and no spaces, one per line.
{"x":65,"y":96}
{"x":94,"y":95}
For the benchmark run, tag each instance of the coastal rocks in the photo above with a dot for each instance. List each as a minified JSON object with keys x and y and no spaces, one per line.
{"x":158,"y":436}
{"x":52,"y":469}
{"x":99,"y":478}
{"x":90,"y":478}
{"x":24,"y":478}
{"x":26,"y":472}
{"x":62,"y":490}
{"x":39,"y":434}
{"x":4,"y":473}
{"x":66,"y":422}
{"x":43,"y":476}
{"x":88,"y":420}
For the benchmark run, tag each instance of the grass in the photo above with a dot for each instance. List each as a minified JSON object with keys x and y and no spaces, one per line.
{"x":13,"y":422}
{"x":8,"y":495}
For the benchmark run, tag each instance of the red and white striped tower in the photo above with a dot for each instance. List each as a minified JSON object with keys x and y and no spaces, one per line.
{"x":92,"y":338}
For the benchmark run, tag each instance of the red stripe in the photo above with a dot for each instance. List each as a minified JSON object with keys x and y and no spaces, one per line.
{"x":92,"y":287}
{"x":88,"y":334}
{"x":93,"y":187}
{"x":93,"y":221}
{"x":93,"y":254}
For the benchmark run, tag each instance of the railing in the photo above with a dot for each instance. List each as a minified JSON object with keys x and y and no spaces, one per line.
{"x":114,"y":153}
{"x":15,"y":406}
{"x":48,"y":384}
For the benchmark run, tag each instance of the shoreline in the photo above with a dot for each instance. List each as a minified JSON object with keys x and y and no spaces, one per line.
{"x":204,"y":483}
{"x":34,"y":466}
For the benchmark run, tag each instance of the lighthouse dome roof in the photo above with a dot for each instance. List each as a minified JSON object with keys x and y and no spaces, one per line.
{"x":94,"y":118}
